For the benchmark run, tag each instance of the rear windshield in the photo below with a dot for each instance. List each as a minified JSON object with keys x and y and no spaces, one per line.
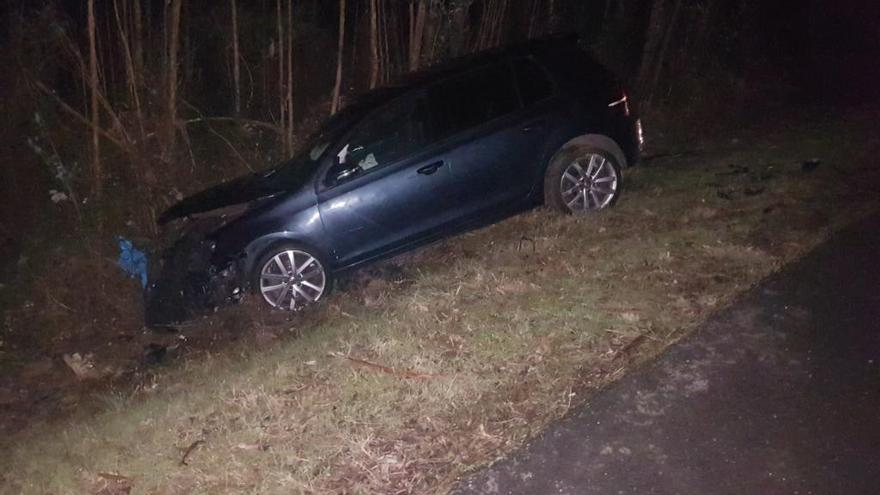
{"x":574,"y":66}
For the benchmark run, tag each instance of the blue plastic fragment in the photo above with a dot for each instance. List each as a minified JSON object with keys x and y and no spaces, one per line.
{"x":132,"y":260}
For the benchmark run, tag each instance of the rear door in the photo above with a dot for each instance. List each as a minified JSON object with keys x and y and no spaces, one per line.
{"x":492,"y":143}
{"x":385,"y":189}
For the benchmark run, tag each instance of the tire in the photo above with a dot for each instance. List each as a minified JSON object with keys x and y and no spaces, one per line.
{"x":290,"y":276}
{"x":582,"y":179}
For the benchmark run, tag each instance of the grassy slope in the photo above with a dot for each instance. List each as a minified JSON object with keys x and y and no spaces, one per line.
{"x":405,"y":382}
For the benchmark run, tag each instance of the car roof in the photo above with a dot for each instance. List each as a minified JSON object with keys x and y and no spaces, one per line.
{"x":412,"y":81}
{"x":465,"y":63}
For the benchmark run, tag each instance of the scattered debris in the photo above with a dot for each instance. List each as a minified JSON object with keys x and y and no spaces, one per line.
{"x":261,"y":447}
{"x":630,"y":316}
{"x":57,"y":196}
{"x":113,"y":484}
{"x":526,"y":239}
{"x":132,"y":260}
{"x":82,"y":366}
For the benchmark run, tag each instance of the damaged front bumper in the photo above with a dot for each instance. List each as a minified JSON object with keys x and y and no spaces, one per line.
{"x":191,"y":280}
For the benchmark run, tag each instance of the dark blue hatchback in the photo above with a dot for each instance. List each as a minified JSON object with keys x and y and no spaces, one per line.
{"x":445,"y":151}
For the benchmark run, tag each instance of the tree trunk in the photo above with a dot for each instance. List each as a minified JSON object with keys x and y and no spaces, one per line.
{"x":384,"y":45}
{"x":337,"y":88}
{"x":282,"y":108}
{"x":374,"y":45}
{"x":289,"y":77}
{"x":417,"y":33}
{"x":171,"y":95}
{"x":499,"y":24}
{"x":653,"y":38}
{"x":480,"y":35}
{"x":97,"y":172}
{"x":130,"y":71}
{"x":458,"y":36}
{"x":138,"y":42}
{"x":697,"y":49}
{"x":533,"y":15}
{"x":236,"y":66}
{"x":664,"y":48}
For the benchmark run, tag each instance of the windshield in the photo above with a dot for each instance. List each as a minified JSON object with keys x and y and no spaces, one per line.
{"x":308,"y":157}
{"x":306,"y":160}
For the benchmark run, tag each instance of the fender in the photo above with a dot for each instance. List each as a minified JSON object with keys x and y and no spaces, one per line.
{"x":599,"y":141}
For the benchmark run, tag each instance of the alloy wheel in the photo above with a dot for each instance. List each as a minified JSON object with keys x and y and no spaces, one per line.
{"x":292,"y":279}
{"x":589,"y":183}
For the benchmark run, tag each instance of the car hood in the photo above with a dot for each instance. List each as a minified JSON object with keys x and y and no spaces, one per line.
{"x":284,"y":178}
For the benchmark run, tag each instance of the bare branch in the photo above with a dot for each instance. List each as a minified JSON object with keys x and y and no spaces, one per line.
{"x":79,"y":116}
{"x":256,"y":123}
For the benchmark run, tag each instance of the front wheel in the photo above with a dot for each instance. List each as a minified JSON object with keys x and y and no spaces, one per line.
{"x":582,"y":180}
{"x":289,"y":277}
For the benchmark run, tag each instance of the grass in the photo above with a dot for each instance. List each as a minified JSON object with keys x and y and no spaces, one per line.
{"x":441,"y":361}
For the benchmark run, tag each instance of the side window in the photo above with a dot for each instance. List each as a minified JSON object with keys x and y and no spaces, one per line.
{"x":382,"y":138}
{"x":534,"y":83}
{"x":472,"y":99}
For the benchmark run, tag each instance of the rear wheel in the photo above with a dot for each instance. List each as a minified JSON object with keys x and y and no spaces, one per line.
{"x":290,"y":277}
{"x":582,"y":180}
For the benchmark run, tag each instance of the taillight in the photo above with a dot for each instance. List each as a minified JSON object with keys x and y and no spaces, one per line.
{"x":640,"y":133}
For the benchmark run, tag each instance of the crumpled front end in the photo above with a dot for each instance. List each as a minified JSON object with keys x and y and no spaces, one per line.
{"x":191,"y":280}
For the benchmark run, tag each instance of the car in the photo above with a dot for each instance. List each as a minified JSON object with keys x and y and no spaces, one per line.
{"x":445,"y":150}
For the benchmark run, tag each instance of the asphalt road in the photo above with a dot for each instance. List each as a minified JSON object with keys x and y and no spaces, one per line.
{"x":778,"y":394}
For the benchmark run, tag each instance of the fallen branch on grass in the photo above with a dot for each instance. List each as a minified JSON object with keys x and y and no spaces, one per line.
{"x":114,"y":477}
{"x":385,"y":369}
{"x":630,"y":347}
{"x":189,"y":450}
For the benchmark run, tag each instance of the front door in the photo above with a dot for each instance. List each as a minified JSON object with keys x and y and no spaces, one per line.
{"x":384,"y":190}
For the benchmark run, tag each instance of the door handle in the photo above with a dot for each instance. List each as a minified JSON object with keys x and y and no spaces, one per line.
{"x":430,"y":168}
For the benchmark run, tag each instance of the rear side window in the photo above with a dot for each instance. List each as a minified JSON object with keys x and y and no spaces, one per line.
{"x":534,"y":83}
{"x":472,"y":99}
